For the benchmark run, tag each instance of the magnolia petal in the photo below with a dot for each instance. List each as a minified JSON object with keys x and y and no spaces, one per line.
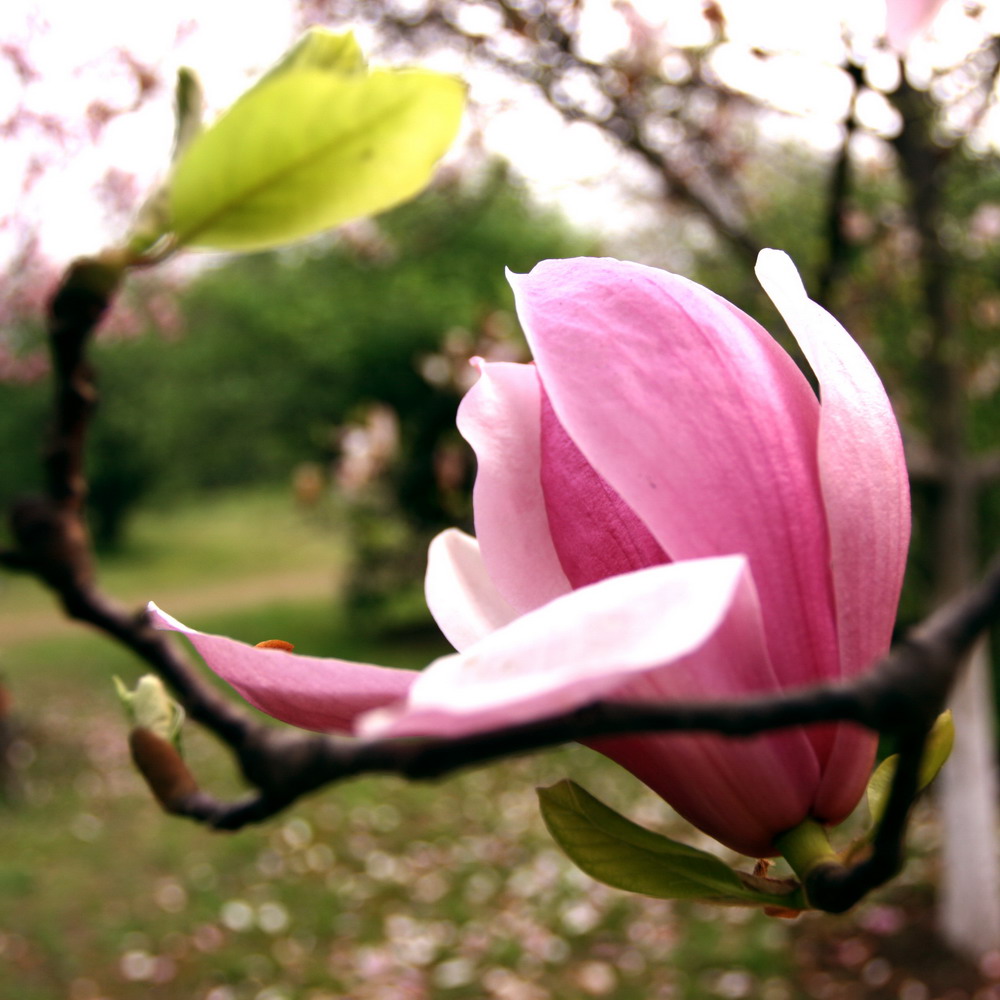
{"x":500,"y":418}
{"x":596,"y":534}
{"x":460,"y":594}
{"x":684,"y":630}
{"x":867,"y":498}
{"x":306,"y":691}
{"x":742,"y":792}
{"x":862,"y":469}
{"x":701,"y":423}
{"x":578,"y":647}
{"x":905,"y":19}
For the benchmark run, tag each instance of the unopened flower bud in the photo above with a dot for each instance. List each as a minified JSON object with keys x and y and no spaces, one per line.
{"x":150,"y":707}
{"x":162,"y":766}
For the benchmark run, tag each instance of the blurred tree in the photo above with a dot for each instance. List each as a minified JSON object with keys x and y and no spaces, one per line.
{"x":279,"y":350}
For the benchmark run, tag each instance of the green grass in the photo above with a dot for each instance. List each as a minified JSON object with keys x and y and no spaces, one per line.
{"x":372,"y":889}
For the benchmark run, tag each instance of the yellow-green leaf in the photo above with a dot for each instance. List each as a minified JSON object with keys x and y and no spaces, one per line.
{"x":936,"y":751}
{"x":308,"y":149}
{"x":618,"y":852}
{"x":319,"y":48}
{"x":189,"y":107}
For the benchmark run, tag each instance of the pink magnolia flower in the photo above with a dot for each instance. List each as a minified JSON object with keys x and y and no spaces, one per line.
{"x":664,"y":509}
{"x":905,"y":19}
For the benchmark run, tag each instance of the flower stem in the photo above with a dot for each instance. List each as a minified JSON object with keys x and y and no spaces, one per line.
{"x":805,"y":847}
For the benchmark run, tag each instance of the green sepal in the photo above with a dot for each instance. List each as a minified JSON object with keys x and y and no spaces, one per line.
{"x":937,"y":749}
{"x":150,"y":707}
{"x":317,"y":142}
{"x":619,"y":853}
{"x":805,"y":847}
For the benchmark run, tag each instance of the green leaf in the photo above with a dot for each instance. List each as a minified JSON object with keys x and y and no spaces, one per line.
{"x":614,"y":850}
{"x":309,"y":148}
{"x":319,"y":48}
{"x":189,"y":107}
{"x":936,"y":751}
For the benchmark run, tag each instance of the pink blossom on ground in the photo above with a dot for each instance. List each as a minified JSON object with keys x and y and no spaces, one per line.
{"x":664,"y":509}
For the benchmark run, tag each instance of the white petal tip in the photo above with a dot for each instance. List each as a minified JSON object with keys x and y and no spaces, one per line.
{"x":161,"y":620}
{"x":776,"y":265}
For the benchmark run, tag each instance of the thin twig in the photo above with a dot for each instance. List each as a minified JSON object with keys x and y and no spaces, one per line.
{"x":50,"y":532}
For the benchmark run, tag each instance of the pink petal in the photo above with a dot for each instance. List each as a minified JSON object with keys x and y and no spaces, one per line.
{"x":867,"y":498}
{"x":682,"y":630}
{"x":862,"y":469}
{"x":703,"y":426}
{"x":578,"y":647}
{"x":500,"y":418}
{"x":908,"y":18}
{"x":742,"y":792}
{"x":306,"y":691}
{"x":460,"y":594}
{"x":595,"y":532}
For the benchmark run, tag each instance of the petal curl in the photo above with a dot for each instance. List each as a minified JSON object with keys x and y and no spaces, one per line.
{"x":460,"y":594}
{"x":742,"y":792}
{"x":500,"y":418}
{"x":307,"y":691}
{"x":701,"y":423}
{"x":580,"y":646}
{"x":867,"y":499}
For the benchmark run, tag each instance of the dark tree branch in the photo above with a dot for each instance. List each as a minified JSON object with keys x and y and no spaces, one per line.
{"x":837,"y":244}
{"x":902,"y":696}
{"x":50,"y":533}
{"x":630,"y":110}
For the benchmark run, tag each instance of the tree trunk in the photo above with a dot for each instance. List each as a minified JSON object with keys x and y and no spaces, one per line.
{"x":968,"y":909}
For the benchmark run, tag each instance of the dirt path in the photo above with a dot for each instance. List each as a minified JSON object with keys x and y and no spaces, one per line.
{"x":42,"y":618}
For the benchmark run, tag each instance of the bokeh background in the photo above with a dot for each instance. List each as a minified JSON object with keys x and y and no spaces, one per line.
{"x":276,"y":445}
